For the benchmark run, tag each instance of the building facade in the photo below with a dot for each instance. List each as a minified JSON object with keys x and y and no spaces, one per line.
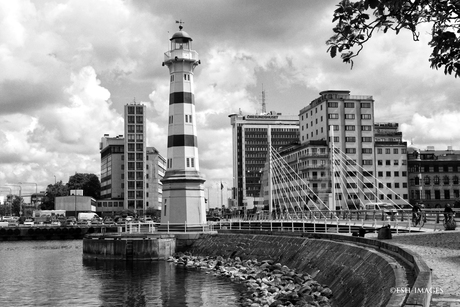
{"x":338,"y":136}
{"x":155,"y":171}
{"x":391,"y":164}
{"x":434,"y":176}
{"x":252,"y":137}
{"x":134,"y":158}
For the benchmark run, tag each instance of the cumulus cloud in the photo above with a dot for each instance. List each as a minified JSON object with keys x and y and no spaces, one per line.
{"x":69,"y":67}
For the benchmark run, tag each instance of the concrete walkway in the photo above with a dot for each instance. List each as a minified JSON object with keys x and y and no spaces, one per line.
{"x":441,"y":252}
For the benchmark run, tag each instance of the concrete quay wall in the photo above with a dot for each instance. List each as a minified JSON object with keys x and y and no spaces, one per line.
{"x":128,"y":247}
{"x":358,"y":275}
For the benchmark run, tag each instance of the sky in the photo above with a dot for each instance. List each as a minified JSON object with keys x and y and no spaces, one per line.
{"x":68,"y":67}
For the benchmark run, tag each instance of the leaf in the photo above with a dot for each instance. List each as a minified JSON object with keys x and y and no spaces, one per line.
{"x":333,"y":51}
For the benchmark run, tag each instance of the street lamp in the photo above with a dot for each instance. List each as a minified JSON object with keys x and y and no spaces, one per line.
{"x":36,"y":187}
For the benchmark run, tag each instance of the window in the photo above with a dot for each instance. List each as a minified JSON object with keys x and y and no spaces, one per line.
{"x":387,"y":151}
{"x":366,"y":139}
{"x":427,"y":180}
{"x":350,"y":139}
{"x":349,"y":116}
{"x":455,"y":180}
{"x":365,"y":104}
{"x":436,"y":180}
{"x":379,"y":162}
{"x":140,"y":110}
{"x":387,"y":162}
{"x":446,"y":180}
{"x":130,"y":110}
{"x":349,"y":128}
{"x":349,"y":104}
{"x":332,"y":104}
{"x":139,"y":129}
{"x":396,"y":174}
{"x":367,"y":162}
{"x":388,"y":174}
{"x":365,"y":116}
{"x":395,"y":151}
{"x":131,"y":128}
{"x":350,"y":150}
{"x":366,"y":150}
{"x":379,"y":151}
{"x":139,"y":119}
{"x":380,"y":174}
{"x":131,"y":119}
{"x":332,"y":116}
{"x":366,"y":128}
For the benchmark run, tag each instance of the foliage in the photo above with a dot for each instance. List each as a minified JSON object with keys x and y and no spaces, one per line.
{"x":16,"y":205}
{"x":52,"y":191}
{"x":358,"y":20}
{"x":152,"y":211}
{"x":89,"y":183}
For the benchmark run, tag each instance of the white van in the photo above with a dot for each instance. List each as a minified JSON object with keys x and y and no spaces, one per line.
{"x":386,"y":207}
{"x":87,"y":216}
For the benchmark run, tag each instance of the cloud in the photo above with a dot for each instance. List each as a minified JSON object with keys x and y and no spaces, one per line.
{"x":440,"y":130}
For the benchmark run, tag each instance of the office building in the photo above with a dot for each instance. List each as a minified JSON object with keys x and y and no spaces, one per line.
{"x":134,"y":158}
{"x":252,"y":136}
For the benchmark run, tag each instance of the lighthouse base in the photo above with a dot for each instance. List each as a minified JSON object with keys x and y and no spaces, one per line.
{"x":183,"y":199}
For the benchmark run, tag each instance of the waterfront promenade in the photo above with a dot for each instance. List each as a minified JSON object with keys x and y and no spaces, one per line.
{"x":441,"y":252}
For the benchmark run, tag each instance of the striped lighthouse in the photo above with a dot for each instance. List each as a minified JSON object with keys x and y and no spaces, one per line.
{"x":183,"y":191}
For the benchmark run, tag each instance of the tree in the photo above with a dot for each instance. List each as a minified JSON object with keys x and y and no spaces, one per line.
{"x":16,"y":205}
{"x":355,"y":26}
{"x":52,"y":191}
{"x":89,"y":183}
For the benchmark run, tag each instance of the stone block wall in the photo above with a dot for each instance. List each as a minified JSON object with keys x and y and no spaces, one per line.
{"x":356,"y":275}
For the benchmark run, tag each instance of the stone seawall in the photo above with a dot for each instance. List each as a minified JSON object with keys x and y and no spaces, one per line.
{"x":128,"y":247}
{"x":357,"y":276}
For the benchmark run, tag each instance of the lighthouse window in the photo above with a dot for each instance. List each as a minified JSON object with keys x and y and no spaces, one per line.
{"x":188,"y":118}
{"x":172,"y":78}
{"x":192,"y":161}
{"x":171,"y":119}
{"x":188,"y":162}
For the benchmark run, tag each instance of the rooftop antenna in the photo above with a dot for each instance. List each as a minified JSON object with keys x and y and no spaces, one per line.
{"x":180,"y":22}
{"x":264,"y":107}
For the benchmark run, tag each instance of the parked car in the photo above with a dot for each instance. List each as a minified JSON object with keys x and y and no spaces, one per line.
{"x":83,"y":223}
{"x":29,"y":222}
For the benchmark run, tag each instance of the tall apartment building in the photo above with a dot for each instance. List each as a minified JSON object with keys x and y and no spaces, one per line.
{"x":155,"y":171}
{"x":434,"y":176}
{"x":391,"y":164}
{"x":347,"y":122}
{"x":112,"y":174}
{"x":252,"y":136}
{"x":134,"y":158}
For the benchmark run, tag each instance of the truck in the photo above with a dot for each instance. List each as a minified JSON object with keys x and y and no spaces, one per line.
{"x":87,"y":216}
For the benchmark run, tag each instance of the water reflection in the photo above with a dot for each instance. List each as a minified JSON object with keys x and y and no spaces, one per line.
{"x":52,"y":273}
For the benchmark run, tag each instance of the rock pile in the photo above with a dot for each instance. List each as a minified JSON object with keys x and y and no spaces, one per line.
{"x":268,"y":284}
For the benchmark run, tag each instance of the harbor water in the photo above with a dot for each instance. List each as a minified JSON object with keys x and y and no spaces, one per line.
{"x":52,"y":273}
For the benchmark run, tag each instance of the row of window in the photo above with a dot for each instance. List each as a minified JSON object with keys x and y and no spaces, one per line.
{"x":428,"y":195}
{"x":135,"y":119}
{"x":395,"y":162}
{"x":186,"y":77}
{"x":135,"y":109}
{"x":136,"y":128}
{"x":188,"y":119}
{"x":135,"y":137}
{"x":434,"y":169}
{"x":189,"y":162}
{"x":436,"y":180}
{"x":335,"y":104}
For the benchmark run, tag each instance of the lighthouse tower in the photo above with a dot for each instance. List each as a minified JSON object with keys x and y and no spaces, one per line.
{"x":183,"y":191}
